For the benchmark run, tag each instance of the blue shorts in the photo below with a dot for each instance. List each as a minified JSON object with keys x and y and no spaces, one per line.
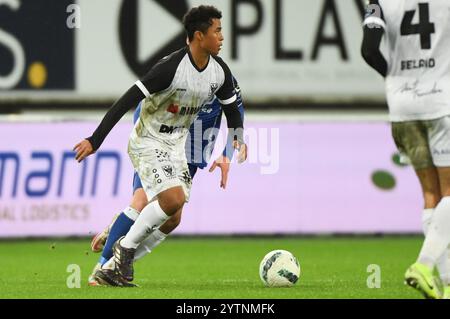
{"x":137,"y":181}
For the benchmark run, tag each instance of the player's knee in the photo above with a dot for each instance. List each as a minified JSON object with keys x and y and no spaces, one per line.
{"x":171,"y":200}
{"x":177,"y":202}
{"x":139,"y":204}
{"x":170,"y":206}
{"x":444,"y":180}
{"x":445,"y":187}
{"x":432,"y":199}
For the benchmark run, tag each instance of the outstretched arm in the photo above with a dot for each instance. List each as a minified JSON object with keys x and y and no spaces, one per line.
{"x":157,"y":79}
{"x":89,"y":145}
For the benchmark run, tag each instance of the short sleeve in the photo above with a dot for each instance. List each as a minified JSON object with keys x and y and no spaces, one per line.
{"x":226,"y":93}
{"x":161,"y":75}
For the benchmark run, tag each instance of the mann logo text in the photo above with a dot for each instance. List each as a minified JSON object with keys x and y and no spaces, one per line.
{"x":189,"y":110}
{"x":60,"y":173}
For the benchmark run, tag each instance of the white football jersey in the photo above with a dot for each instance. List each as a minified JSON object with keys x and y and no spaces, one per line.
{"x":417,"y":37}
{"x":175,"y":91}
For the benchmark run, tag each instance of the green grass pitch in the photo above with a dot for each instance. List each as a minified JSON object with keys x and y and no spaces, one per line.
{"x":189,"y":268}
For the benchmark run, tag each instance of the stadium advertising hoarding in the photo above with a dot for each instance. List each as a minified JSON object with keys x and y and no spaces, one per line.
{"x":278,"y":49}
{"x":339,"y":178}
{"x":35,"y":53}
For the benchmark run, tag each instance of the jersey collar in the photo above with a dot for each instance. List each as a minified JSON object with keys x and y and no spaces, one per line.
{"x":193,"y":62}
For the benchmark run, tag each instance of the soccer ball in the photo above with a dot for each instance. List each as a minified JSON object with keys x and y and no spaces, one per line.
{"x":279,"y":268}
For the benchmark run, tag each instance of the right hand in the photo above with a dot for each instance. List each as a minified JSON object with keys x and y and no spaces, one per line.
{"x":83,"y":149}
{"x":243,"y":149}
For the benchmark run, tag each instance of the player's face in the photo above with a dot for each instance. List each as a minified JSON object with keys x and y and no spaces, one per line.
{"x":213,"y":38}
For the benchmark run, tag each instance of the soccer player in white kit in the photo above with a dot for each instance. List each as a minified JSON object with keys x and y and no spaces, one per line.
{"x":417,"y":74}
{"x":173,"y":91}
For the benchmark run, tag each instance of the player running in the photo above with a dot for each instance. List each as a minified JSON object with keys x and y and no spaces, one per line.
{"x":417,"y":76}
{"x":174,"y":91}
{"x":199,"y":147}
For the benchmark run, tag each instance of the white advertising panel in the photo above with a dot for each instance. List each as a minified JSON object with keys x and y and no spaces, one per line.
{"x":288,"y":50}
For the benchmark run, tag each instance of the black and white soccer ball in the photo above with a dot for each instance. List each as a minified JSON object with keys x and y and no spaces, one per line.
{"x":279,"y":268}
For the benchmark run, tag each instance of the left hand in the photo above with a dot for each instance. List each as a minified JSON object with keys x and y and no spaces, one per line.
{"x":223,"y":163}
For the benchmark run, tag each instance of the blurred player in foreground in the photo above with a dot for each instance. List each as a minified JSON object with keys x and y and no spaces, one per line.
{"x":199,"y":148}
{"x":174,"y":90}
{"x":417,"y":76}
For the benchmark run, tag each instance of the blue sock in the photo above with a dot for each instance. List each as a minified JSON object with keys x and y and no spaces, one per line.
{"x":120,"y":228}
{"x":102,"y":260}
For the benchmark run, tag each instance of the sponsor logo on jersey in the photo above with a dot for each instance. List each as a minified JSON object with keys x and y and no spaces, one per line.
{"x":207,"y":109}
{"x":170,"y":129}
{"x":173,"y":108}
{"x":190,"y":110}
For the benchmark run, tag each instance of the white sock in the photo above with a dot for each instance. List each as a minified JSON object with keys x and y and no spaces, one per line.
{"x":444,"y":268}
{"x":442,"y":262}
{"x":438,"y":234}
{"x":109,"y":264}
{"x":131,"y":213}
{"x":426,"y":219}
{"x":151,"y":217}
{"x":150,"y":243}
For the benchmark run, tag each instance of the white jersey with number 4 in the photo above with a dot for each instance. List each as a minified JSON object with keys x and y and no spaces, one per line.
{"x":418,"y":46}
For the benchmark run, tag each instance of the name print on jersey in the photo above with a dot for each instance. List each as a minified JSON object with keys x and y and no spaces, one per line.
{"x":417,"y":64}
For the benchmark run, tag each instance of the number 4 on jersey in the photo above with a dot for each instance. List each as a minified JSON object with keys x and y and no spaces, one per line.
{"x":425,"y":28}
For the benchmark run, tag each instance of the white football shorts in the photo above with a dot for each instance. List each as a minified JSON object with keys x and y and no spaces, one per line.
{"x":161,"y":167}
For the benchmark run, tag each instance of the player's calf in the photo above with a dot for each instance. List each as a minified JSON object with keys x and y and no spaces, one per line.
{"x":171,"y":223}
{"x":99,"y":240}
{"x":139,"y":200}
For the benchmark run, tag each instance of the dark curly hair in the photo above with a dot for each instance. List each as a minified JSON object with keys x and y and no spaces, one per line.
{"x":200,"y":19}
